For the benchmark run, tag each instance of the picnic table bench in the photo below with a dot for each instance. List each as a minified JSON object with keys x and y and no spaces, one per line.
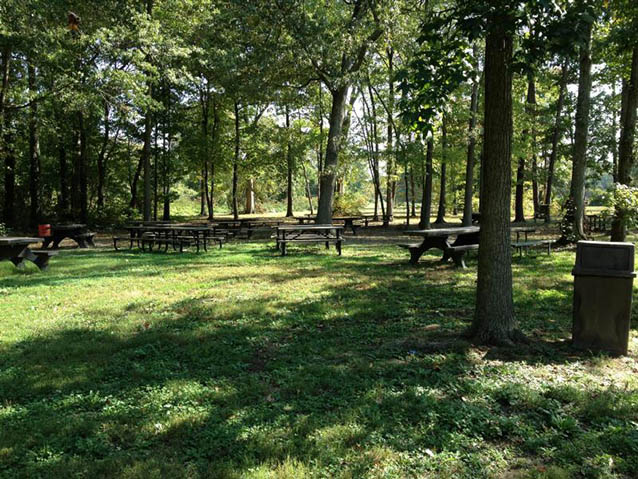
{"x":327,"y":234}
{"x":76,"y":232}
{"x":17,"y":250}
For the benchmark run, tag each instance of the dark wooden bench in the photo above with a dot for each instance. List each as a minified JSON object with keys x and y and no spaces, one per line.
{"x":526,"y":245}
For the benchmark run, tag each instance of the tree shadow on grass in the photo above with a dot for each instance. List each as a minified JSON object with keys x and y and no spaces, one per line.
{"x":206,"y":386}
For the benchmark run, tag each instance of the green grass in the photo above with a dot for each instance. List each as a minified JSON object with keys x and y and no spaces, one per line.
{"x":239,"y":363}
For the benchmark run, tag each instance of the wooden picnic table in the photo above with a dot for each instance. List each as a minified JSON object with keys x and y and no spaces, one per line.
{"x":17,"y":250}
{"x":348,"y":221}
{"x":170,"y":234}
{"x":76,"y":232}
{"x":308,"y":234}
{"x":467,"y":238}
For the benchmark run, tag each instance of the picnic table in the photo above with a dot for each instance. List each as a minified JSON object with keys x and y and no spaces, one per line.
{"x":467,"y":238}
{"x":348,"y":221}
{"x":17,"y":250}
{"x":177,"y":236}
{"x":308,"y":234}
{"x":76,"y":232}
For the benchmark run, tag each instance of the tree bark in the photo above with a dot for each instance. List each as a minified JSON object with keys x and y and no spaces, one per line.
{"x":236,"y":163}
{"x":556,"y":135}
{"x":426,"y":200}
{"x":391,"y":160}
{"x":519,"y":202}
{"x":146,"y":162}
{"x":471,"y":147}
{"x":328,"y":175}
{"x":289,"y":167}
{"x":494,"y":321}
{"x":101,"y":157}
{"x":626,"y":144}
{"x":34,"y":150}
{"x":83,"y":172}
{"x":412,"y":194}
{"x":250,"y":197}
{"x":440,"y":216}
{"x":577,"y":187}
{"x":63,"y":200}
{"x":8,"y":151}
{"x":5,"y":58}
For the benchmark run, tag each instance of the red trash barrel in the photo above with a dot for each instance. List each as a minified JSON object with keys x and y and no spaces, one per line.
{"x":44,"y":231}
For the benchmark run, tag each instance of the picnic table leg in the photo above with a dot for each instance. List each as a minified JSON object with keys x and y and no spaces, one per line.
{"x":81,"y":243}
{"x":46,"y":242}
{"x":18,"y":262}
{"x":459,"y":259}
{"x":283,"y":244}
{"x":338,"y":244}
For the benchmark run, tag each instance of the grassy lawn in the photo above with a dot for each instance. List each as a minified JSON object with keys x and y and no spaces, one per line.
{"x":239,"y":363}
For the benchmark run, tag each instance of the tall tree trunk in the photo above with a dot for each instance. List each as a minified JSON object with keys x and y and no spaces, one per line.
{"x":519,"y":203}
{"x":63,"y":200}
{"x":531,"y":111}
{"x":494,"y":321}
{"x":236,"y":163}
{"x":614,"y":129}
{"x":289,"y":166}
{"x":426,"y":200}
{"x":34,"y":150}
{"x":375,"y":162}
{"x":626,"y":144}
{"x":412,"y":194}
{"x":101,"y":158}
{"x":440,"y":215}
{"x":556,"y":135}
{"x":575,"y":217}
{"x":83,"y":172}
{"x":135,"y":181}
{"x":8,"y":152}
{"x":146,"y":162}
{"x":5,"y":59}
{"x":391,"y":160}
{"x":327,"y":181}
{"x":250,"y":197}
{"x":215,"y":150}
{"x":202,"y":196}
{"x":308,"y":193}
{"x":320,"y":149}
{"x":471,"y":147}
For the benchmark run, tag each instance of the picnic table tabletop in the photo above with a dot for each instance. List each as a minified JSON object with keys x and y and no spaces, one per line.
{"x":18,"y":240}
{"x":460,"y":230}
{"x":290,"y":227}
{"x":72,"y":226}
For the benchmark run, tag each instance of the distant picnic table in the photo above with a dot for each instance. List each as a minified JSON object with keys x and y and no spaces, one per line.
{"x":467,"y":238}
{"x":348,"y":221}
{"x":327,"y":234}
{"x":17,"y":250}
{"x":76,"y":232}
{"x":177,"y":236}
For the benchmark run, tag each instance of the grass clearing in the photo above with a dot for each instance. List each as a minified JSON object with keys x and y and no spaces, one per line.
{"x":242,"y":364}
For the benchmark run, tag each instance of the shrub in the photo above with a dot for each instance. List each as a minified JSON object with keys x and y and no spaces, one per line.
{"x":349,"y":204}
